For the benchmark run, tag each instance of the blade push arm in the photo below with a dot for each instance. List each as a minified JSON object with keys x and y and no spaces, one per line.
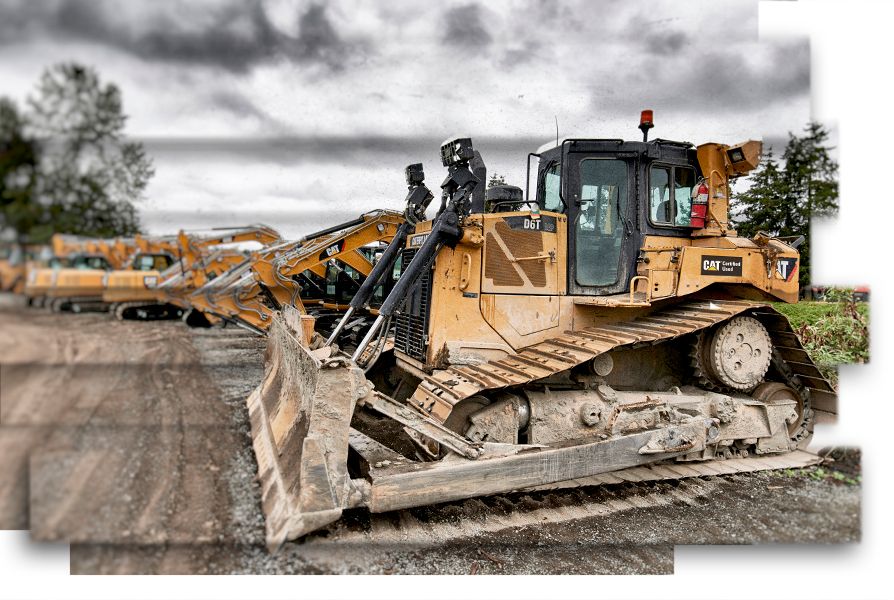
{"x":418,"y":199}
{"x":456,"y":195}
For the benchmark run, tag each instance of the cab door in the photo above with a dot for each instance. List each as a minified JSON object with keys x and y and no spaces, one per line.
{"x":600,"y":190}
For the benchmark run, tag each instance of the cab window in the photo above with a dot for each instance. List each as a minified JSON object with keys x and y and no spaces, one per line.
{"x":659,"y":195}
{"x":670,"y":195}
{"x":331,"y":278}
{"x":398,"y":265}
{"x":90,"y":262}
{"x":684,"y":182}
{"x":145,"y":262}
{"x":551,"y":189}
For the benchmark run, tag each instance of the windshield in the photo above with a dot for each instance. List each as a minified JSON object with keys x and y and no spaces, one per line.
{"x":151,"y":262}
{"x":90,"y":262}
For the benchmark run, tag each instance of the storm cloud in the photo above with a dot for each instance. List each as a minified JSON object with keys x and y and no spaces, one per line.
{"x":466,"y":27}
{"x":305,"y":105}
{"x":236,"y":36}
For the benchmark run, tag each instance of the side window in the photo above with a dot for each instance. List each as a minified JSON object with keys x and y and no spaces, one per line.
{"x":684,"y":181}
{"x":551,"y":186}
{"x":331,"y":278}
{"x":659,"y":195}
{"x":670,"y":195}
{"x":145,"y":262}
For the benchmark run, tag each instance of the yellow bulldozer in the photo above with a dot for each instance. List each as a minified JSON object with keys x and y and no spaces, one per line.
{"x":608,"y":322}
{"x":308,"y":274}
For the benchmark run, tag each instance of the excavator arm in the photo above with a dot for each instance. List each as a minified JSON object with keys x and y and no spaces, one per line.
{"x":251,"y":293}
{"x":344,"y":246}
{"x":194,"y":251}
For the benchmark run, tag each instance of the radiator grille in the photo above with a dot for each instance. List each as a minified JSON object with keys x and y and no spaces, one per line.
{"x":411,"y":321}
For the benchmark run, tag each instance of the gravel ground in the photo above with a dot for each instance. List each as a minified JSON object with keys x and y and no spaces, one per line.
{"x":141,"y":456}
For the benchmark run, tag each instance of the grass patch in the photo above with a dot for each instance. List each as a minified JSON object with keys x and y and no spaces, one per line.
{"x":820,"y":474}
{"x":833,"y":333}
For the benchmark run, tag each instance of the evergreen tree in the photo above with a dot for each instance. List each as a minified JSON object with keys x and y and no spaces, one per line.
{"x":18,"y":172}
{"x":761,"y":206}
{"x":783,"y":199}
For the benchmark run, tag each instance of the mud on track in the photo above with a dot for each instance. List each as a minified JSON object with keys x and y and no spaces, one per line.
{"x":139,"y":450}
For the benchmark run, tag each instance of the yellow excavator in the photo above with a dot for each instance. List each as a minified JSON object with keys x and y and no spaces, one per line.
{"x":79,"y":287}
{"x":609,"y":323}
{"x":309,"y":274}
{"x":39,"y":274}
{"x":15,"y":262}
{"x":200,"y":261}
{"x":131,"y":292}
{"x":12,"y":267}
{"x":74,"y":274}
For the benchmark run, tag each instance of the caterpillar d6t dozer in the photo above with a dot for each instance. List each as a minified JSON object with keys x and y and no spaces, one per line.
{"x":610,"y":321}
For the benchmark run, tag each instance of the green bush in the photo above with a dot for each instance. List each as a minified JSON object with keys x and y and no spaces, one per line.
{"x":833,"y":333}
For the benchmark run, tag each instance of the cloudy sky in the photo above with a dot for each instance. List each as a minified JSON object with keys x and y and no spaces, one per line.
{"x":298,"y":113}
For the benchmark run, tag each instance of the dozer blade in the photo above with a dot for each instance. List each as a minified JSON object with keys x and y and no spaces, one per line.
{"x":300,"y":422}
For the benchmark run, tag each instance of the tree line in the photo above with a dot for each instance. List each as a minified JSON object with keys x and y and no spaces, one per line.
{"x":65,"y":165}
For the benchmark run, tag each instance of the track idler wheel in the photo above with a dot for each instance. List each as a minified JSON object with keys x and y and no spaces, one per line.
{"x":733,"y":356}
{"x":800,"y":429}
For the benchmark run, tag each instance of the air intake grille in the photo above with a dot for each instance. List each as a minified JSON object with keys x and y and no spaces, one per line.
{"x":411,"y":321}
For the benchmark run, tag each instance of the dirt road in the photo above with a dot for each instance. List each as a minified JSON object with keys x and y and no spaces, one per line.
{"x":140,"y":456}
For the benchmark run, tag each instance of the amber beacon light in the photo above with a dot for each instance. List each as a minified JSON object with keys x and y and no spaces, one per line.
{"x":646,"y":123}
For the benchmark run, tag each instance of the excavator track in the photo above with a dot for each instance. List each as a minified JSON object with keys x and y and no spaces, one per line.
{"x":443,"y":389}
{"x":150,"y":311}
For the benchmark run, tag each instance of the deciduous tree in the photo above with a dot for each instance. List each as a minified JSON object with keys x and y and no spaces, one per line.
{"x":90,"y":176}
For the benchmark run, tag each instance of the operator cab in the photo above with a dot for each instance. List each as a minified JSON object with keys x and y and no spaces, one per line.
{"x":343,"y":281}
{"x":614,"y":193}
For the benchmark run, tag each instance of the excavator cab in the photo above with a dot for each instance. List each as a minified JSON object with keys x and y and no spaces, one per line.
{"x":313,"y":287}
{"x":343,"y":281}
